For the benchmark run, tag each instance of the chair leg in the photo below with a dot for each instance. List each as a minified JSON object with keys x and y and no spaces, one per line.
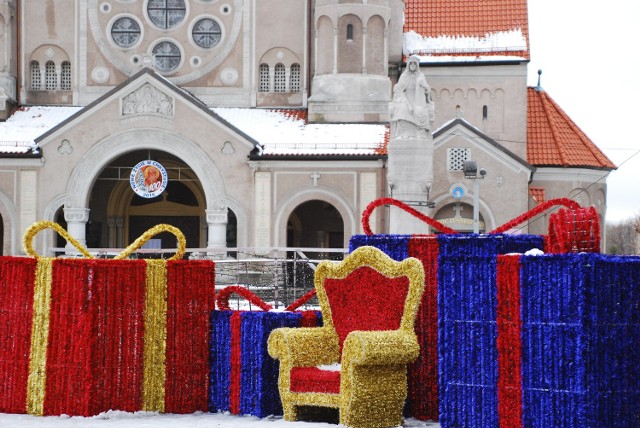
{"x":290,"y":412}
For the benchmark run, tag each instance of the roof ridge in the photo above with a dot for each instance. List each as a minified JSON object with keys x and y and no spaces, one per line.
{"x":552,"y":128}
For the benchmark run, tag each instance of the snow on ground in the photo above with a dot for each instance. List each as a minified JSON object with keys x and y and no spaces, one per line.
{"x":117,"y":419}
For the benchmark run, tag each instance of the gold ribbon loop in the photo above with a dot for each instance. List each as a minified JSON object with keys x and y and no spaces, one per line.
{"x":138,"y":243}
{"x":39,"y":226}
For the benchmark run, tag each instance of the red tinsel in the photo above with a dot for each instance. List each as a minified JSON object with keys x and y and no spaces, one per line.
{"x":509,"y":343}
{"x":222,"y":298}
{"x":570,"y":203}
{"x":312,"y":379}
{"x":355,"y":302}
{"x":301,"y":301}
{"x":234,"y":384}
{"x":423,"y":373}
{"x":17,"y":275}
{"x":190,"y":300}
{"x":576,"y":230}
{"x":390,"y":201}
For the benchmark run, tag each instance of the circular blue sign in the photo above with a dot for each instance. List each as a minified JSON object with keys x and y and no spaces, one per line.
{"x":457,"y":192}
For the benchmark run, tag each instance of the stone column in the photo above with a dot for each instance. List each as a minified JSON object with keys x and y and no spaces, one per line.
{"x":217,"y":225}
{"x":76,"y":219}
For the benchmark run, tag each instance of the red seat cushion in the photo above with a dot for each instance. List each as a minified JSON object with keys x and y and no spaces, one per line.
{"x":312,"y":379}
{"x":366,"y":300}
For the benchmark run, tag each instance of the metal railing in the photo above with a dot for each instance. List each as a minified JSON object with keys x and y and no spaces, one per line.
{"x":279,"y":276}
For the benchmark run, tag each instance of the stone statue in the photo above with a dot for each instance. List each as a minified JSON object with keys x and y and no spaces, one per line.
{"x":412,"y":110}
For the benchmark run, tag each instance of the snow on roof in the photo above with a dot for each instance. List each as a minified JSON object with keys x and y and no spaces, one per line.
{"x":18,"y":133}
{"x":500,"y":45}
{"x":286,"y":132}
{"x":279,"y":132}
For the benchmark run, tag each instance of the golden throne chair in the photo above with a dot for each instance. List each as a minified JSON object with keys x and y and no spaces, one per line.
{"x":357,"y":361}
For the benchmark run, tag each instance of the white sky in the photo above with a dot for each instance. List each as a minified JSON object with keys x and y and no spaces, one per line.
{"x":588,"y":53}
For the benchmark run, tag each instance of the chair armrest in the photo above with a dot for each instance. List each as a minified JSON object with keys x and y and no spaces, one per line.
{"x":304,"y":347}
{"x":389,"y":347}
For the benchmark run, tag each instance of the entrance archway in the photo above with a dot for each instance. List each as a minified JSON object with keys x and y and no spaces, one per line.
{"x":315,"y":224}
{"x":459,"y":216}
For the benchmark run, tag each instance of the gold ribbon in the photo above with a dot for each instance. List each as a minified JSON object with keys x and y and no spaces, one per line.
{"x":155,"y":317}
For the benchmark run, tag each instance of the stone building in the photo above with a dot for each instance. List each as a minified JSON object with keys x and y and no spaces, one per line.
{"x":269,"y":121}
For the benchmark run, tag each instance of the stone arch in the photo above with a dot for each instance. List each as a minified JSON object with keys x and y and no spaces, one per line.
{"x":350,"y":50}
{"x":318,"y":193}
{"x":48,"y":52}
{"x":485,"y":210}
{"x":79,"y":187}
{"x":324,"y":44}
{"x":375,"y":47}
{"x":279,"y":55}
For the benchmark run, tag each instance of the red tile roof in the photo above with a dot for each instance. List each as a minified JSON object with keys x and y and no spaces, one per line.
{"x":537,"y":193}
{"x":469,"y":18}
{"x":554,"y":140}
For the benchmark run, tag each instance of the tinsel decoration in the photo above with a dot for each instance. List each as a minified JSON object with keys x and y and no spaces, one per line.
{"x":539,"y":209}
{"x":366,"y":214}
{"x":17,"y":276}
{"x":395,"y":246}
{"x":100,"y":329}
{"x":367,"y":290}
{"x":580,"y":332}
{"x":576,"y":230}
{"x":243,"y":378}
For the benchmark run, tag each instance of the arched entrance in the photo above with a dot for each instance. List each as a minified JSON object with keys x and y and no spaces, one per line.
{"x":459,"y":216}
{"x":117,"y":215}
{"x":315,"y":224}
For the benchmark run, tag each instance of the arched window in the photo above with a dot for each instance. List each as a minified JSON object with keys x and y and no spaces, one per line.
{"x":280,"y":79}
{"x":264,"y":78}
{"x":485,"y":112}
{"x":36,"y":77}
{"x":65,"y":77}
{"x":349,"y":31}
{"x":294,"y":79}
{"x":50,"y":81}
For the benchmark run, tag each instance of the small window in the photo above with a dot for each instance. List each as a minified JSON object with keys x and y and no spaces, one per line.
{"x":36,"y":77}
{"x":125,"y":32}
{"x":167,"y":56}
{"x":280,"y":79}
{"x":264,"y":78}
{"x":65,"y":77}
{"x":456,"y":158}
{"x":50,"y":81}
{"x":485,"y":112}
{"x":166,"y":13}
{"x":350,"y":32}
{"x":206,"y":33}
{"x":295,"y":78}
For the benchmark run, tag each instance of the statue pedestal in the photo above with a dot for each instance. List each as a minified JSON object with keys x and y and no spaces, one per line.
{"x":410,"y":175}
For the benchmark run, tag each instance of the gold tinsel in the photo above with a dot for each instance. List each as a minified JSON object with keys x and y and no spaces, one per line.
{"x":373,"y":379}
{"x":155,"y":317}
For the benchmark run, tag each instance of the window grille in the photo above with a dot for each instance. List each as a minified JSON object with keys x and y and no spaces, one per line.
{"x":456,"y":158}
{"x":50,"y":76}
{"x":36,"y":78}
{"x":280,"y":79}
{"x":65,"y":77}
{"x":167,"y":56}
{"x":206,"y":33}
{"x":264,"y":78}
{"x":295,"y":78}
{"x":125,"y":32}
{"x":166,"y":13}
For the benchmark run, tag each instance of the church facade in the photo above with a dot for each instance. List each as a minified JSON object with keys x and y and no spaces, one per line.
{"x":253,"y":124}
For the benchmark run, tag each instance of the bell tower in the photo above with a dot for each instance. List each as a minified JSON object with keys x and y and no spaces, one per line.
{"x":8,"y":56}
{"x":350,"y":59}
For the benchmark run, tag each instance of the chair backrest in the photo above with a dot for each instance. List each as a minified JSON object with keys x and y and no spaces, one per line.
{"x":369,"y":291}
